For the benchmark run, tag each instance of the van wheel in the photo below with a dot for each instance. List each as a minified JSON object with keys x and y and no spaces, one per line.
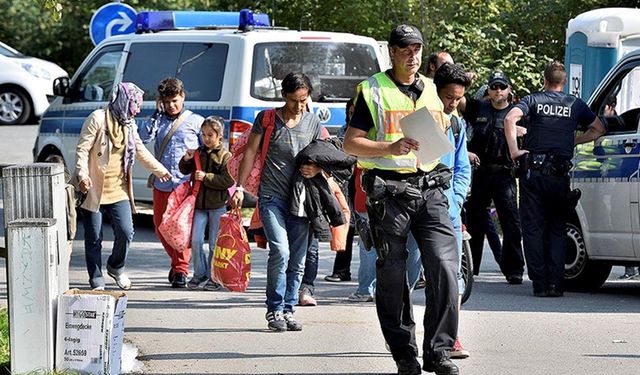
{"x":15,"y":107}
{"x":581,"y":273}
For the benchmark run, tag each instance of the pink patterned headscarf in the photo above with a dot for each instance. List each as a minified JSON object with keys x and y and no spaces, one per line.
{"x":123,"y":105}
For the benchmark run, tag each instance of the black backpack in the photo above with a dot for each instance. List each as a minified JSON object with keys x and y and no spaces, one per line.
{"x":455,"y":126}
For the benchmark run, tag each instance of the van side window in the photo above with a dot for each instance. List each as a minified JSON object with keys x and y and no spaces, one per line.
{"x":335,"y":69}
{"x":620,"y":107}
{"x":95,"y":82}
{"x":200,"y":66}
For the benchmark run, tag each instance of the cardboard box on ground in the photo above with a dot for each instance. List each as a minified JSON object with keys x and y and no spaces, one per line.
{"x":90,"y":331}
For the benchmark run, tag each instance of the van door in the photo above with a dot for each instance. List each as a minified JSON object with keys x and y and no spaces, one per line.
{"x":607,"y":171}
{"x":201,"y":68}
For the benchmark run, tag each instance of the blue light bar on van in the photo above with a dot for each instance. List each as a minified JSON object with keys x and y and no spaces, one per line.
{"x":172,"y":20}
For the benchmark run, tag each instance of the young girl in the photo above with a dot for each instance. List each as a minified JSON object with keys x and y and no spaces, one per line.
{"x":211,"y":200}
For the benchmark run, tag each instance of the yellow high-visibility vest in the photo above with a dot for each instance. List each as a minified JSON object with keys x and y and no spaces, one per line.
{"x":388,"y":105}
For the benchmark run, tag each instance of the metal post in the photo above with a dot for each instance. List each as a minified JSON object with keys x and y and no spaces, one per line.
{"x":33,"y":293}
{"x":36,"y":191}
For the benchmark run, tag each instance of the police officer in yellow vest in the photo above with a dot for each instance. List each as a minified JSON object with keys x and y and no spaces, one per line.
{"x":404,"y":195}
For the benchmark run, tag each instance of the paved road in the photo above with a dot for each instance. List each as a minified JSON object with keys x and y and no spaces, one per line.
{"x":506,"y":330}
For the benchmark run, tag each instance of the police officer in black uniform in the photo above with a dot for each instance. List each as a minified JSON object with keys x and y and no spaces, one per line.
{"x":493,"y":177}
{"x":404,"y":195}
{"x":545,"y":158}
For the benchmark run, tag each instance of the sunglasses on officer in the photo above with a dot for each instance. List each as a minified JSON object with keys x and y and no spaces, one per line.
{"x":497,"y":86}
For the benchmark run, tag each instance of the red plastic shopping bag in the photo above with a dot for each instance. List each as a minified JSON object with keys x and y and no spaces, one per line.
{"x":177,"y":219}
{"x":231,"y":265}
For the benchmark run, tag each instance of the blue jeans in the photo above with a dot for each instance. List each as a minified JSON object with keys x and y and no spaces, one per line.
{"x":366,"y":270}
{"x":288,"y":238}
{"x":414,"y":262}
{"x":202,"y":258}
{"x":122,"y":224}
{"x":311,"y":264}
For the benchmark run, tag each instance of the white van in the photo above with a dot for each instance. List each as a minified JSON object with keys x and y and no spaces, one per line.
{"x":233,"y":72}
{"x":604,"y":229}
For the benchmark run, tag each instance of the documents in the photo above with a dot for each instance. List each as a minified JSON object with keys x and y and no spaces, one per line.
{"x":422,"y":127}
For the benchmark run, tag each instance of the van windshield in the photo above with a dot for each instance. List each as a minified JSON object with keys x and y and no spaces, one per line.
{"x":334,"y":68}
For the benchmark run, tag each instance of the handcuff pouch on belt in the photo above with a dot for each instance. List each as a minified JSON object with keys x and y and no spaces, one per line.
{"x":363,"y":229}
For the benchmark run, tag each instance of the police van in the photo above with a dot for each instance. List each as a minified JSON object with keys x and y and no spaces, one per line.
{"x":604,"y":229}
{"x":232,"y":65}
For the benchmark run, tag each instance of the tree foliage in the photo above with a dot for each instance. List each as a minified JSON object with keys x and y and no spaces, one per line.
{"x":516,"y":36}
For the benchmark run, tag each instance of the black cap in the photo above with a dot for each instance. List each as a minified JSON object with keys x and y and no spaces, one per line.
{"x":405,"y":35}
{"x":498,"y":77}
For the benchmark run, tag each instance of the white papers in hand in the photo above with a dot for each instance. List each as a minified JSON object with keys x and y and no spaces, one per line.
{"x":422,"y":127}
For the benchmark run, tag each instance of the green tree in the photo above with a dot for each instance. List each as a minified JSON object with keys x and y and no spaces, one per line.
{"x":516,"y":36}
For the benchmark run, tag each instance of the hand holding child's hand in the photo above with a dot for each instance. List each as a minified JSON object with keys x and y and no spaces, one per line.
{"x":199,"y":176}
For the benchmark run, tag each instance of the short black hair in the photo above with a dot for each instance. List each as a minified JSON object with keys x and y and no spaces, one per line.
{"x":170,"y":87}
{"x":350,"y":104}
{"x":295,"y":81}
{"x":432,"y":59}
{"x":450,"y":73}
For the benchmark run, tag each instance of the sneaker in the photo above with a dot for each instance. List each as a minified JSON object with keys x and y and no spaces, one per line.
{"x":122,"y":280}
{"x":179,"y":280}
{"x":628,"y":276}
{"x":357,"y":297}
{"x":292,"y":323}
{"x":458,"y":352}
{"x":99,"y":288}
{"x":197,"y":282}
{"x":336,"y":278}
{"x":211,"y":286}
{"x":275,"y":321}
{"x":305,"y":298}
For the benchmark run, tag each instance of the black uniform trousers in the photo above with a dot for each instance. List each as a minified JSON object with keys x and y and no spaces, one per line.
{"x":495,"y":183}
{"x":427,"y":218}
{"x":543,"y":210}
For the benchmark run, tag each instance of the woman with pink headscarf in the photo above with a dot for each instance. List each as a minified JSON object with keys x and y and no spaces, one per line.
{"x":108,"y":145}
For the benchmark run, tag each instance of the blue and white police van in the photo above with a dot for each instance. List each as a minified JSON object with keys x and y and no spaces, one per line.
{"x":232,"y":65}
{"x":604,"y":229}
